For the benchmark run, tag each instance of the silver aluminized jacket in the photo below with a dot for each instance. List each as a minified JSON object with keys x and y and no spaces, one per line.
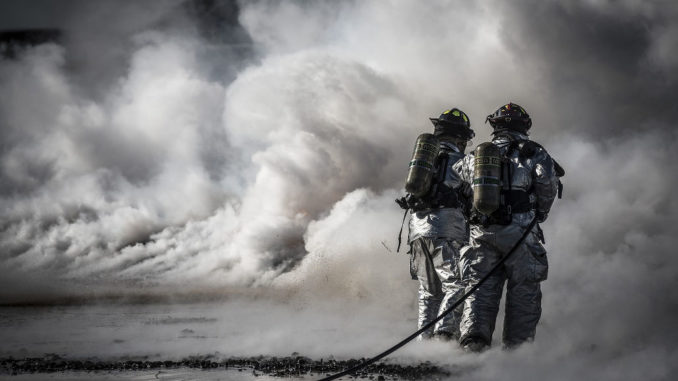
{"x":528,"y":265}
{"x":443,"y":222}
{"x":435,"y":237}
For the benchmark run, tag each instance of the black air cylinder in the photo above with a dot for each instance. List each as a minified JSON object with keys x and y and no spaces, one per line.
{"x":422,"y":165}
{"x":487,"y":179}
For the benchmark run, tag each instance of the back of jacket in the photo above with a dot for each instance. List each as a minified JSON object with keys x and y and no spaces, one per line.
{"x":448,"y":223}
{"x":533,"y":173}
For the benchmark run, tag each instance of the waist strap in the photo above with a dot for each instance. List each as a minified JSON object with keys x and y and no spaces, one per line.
{"x":514,"y":201}
{"x":448,"y":203}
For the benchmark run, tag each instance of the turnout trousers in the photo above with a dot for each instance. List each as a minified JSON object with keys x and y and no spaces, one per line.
{"x":434,"y":262}
{"x":522,"y":274}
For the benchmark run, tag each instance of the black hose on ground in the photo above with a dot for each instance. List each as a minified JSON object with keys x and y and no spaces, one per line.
{"x":442,"y":315}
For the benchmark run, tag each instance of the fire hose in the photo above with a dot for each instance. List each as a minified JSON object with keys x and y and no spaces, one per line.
{"x":468,"y":293}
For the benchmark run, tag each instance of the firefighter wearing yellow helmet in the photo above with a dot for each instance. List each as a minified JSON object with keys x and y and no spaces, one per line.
{"x":438,"y":228}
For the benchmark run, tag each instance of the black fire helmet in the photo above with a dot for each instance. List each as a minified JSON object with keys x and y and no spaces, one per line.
{"x":510,"y":117}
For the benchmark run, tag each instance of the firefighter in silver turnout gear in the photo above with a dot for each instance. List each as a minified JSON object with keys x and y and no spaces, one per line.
{"x":529,"y":186}
{"x":438,"y":230}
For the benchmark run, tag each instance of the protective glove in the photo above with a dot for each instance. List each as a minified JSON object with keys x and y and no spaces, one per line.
{"x":407,"y":202}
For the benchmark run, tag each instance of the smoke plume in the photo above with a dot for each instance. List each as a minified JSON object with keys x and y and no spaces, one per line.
{"x":203,"y":145}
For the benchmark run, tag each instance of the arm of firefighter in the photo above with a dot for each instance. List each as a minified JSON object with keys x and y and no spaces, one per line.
{"x":545,"y":183}
{"x":464,"y":168}
{"x":464,"y":178}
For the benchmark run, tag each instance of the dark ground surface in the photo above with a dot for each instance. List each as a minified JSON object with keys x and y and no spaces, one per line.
{"x":234,"y":340}
{"x":293,"y":366}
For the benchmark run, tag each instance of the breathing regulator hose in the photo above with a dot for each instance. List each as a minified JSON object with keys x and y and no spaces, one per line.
{"x":468,"y":293}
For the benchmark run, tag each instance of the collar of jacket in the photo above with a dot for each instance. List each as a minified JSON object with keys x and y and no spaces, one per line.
{"x":506,"y":137}
{"x":449,"y":146}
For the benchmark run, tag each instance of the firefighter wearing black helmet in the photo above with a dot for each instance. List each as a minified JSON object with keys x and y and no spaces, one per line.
{"x":438,"y":227}
{"x":528,"y":184}
{"x":510,"y":117}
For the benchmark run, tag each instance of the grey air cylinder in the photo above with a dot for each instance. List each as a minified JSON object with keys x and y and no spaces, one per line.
{"x":422,"y":166}
{"x":487,"y":179}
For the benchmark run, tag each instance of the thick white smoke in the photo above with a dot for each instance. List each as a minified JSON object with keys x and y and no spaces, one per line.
{"x":284,"y":178}
{"x":114,"y":188}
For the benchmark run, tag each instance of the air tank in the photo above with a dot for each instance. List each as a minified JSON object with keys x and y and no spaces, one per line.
{"x":487,"y":179}
{"x":422,"y":166}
